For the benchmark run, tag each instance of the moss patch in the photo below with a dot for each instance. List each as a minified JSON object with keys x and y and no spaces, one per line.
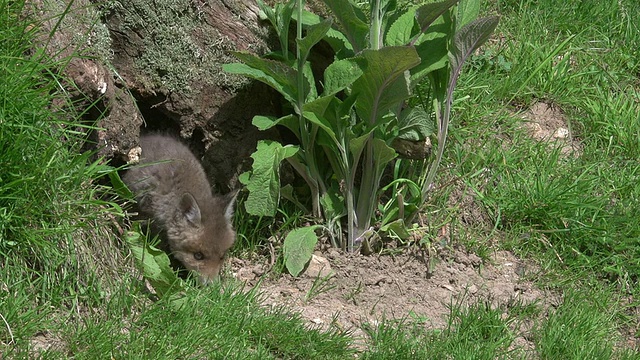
{"x":178,"y":45}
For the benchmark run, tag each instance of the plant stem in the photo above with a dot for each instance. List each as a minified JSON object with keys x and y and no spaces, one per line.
{"x":306,"y":135}
{"x":443,"y":125}
{"x":366,"y":195}
{"x":351,"y":216}
{"x":376,"y":19}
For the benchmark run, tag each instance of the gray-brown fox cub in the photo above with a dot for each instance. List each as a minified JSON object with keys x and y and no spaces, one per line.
{"x":172,"y":190}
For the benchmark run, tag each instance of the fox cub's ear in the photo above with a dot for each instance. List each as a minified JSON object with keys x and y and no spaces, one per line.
{"x":190,"y":209}
{"x":230,"y":201}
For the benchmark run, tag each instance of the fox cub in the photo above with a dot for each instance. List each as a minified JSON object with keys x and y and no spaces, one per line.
{"x":172,"y":190}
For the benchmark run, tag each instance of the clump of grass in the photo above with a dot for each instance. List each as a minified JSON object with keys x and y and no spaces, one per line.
{"x":478,"y":331}
{"x":573,"y":210}
{"x":583,"y":326}
{"x":219,"y":322}
{"x":48,"y":191}
{"x":54,"y":246}
{"x":578,"y":212}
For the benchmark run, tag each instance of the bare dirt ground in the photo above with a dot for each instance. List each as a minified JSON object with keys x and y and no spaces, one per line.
{"x":366,"y":289}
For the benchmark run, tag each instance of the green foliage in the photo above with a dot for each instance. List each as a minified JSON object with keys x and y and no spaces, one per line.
{"x":581,"y":208}
{"x":346,"y":127}
{"x":216,"y":322}
{"x":298,"y":247}
{"x":479,"y":331}
{"x":581,"y":326}
{"x":575,"y":210}
{"x":266,"y":165}
{"x":590,"y":334}
{"x":156,"y":267}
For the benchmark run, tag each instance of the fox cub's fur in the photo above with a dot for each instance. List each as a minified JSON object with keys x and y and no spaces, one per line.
{"x":172,"y":190}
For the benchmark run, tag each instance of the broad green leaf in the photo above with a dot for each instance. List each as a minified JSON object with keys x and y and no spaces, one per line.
{"x":284,"y":13}
{"x":322,"y":123}
{"x":156,"y":267}
{"x":401,"y":30}
{"x":376,"y":159}
{"x":266,"y":13}
{"x":314,"y":34}
{"x":267,"y":122}
{"x":382,"y":154}
{"x":280,"y":19}
{"x":244,"y":177}
{"x":434,"y":55}
{"x":276,"y":74}
{"x":298,"y":247}
{"x":466,"y":41}
{"x":341,"y":74}
{"x":415,"y":124}
{"x":336,"y":39}
{"x":264,"y":122}
{"x":315,"y":112}
{"x":352,"y":20}
{"x":155,"y":263}
{"x":310,"y":91}
{"x":264,"y":182}
{"x":439,"y":80}
{"x":356,"y":146}
{"x":398,"y":228}
{"x":468,"y":11}
{"x":319,"y":106}
{"x":383,"y":84}
{"x":428,"y":13}
{"x":333,"y":204}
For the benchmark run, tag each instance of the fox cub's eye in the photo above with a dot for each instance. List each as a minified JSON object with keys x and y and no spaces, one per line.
{"x":198,"y":256}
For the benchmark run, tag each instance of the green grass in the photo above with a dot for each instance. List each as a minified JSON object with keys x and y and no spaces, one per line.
{"x":213,"y":323}
{"x":47,"y":202}
{"x":582,"y":57}
{"x":578,"y":215}
{"x":582,"y":327}
{"x":477,"y":331}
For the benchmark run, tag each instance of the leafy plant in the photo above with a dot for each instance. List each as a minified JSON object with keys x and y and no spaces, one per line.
{"x":155,"y":266}
{"x":297,"y":245}
{"x":346,"y":125}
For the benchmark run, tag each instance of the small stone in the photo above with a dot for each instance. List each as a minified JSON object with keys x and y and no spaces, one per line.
{"x":287,"y":292}
{"x":333,"y":253}
{"x":561,"y":133}
{"x":258,"y":271}
{"x":133,"y":156}
{"x":475,"y":260}
{"x":319,"y":267}
{"x":379,"y":280}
